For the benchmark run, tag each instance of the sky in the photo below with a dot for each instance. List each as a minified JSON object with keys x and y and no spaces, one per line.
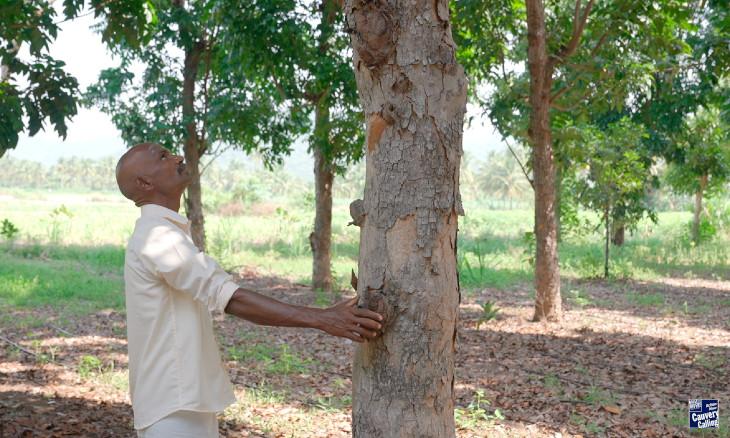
{"x":91,"y":134}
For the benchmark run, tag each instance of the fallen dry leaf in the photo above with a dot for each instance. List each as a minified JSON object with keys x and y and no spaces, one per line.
{"x":612,"y":409}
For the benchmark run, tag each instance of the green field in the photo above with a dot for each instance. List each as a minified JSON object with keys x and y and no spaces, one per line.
{"x":69,"y":252}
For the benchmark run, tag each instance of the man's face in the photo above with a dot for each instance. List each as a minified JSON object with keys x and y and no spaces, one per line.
{"x":165,"y":171}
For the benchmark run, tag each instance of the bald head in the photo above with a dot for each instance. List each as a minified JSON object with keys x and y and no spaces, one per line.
{"x":148,"y":173}
{"x":132,"y":166}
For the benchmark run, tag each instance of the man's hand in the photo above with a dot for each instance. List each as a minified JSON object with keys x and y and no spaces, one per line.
{"x":346,"y":320}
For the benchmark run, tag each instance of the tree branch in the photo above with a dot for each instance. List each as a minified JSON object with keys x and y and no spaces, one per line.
{"x":562,"y":91}
{"x":571,"y":107}
{"x":524,"y":170}
{"x":16,"y":345}
{"x":213,"y":156}
{"x":209,"y":43}
{"x":600,"y":42}
{"x":579,"y":23}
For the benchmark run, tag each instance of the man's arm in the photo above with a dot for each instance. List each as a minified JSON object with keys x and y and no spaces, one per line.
{"x":344,"y":319}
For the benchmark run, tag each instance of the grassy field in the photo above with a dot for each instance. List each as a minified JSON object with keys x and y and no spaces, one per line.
{"x":70,"y":248}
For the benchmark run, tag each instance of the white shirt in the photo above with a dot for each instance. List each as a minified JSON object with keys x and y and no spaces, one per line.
{"x":171,"y":289}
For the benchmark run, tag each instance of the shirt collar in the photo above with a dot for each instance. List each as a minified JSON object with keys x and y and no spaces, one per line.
{"x":154,"y":210}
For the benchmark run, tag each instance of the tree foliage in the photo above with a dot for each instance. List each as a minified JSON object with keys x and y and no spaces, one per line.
{"x":704,"y":146}
{"x":301,"y":47}
{"x":36,"y":90}
{"x":624,"y":43}
{"x":233,"y":106}
{"x":615,"y":177}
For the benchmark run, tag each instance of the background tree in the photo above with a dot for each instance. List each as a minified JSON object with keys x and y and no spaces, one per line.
{"x":688,"y":101}
{"x":413,"y":94}
{"x":614,"y":180}
{"x":303,"y":48}
{"x":37,"y":89}
{"x":581,"y":58}
{"x":196,"y":92}
{"x":704,"y":167}
{"x":502,"y":176}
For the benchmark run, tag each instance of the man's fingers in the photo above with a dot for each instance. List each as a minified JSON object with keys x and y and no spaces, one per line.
{"x":362,"y":331}
{"x":352,"y":336}
{"x":368,"y":323}
{"x":367,"y":313}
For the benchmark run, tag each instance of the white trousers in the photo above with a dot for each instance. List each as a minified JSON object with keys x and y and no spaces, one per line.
{"x":183,"y":424}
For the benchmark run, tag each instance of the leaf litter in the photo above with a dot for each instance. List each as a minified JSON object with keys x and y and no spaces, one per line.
{"x":616,"y":366}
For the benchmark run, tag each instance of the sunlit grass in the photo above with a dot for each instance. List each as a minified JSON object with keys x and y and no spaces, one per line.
{"x":75,"y":258}
{"x":31,"y":282}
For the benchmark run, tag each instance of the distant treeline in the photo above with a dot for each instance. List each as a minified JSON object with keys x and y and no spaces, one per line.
{"x":68,"y":173}
{"x":498,"y":181}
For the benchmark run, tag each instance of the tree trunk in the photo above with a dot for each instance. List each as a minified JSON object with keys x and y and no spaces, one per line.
{"x":548,"y":304}
{"x":321,"y":239}
{"x":607,"y":219}
{"x":698,"y":209}
{"x":413,"y":94}
{"x":558,"y":200}
{"x":193,"y":200}
{"x":619,"y":233}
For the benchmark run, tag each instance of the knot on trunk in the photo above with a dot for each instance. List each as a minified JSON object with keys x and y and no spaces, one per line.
{"x":373,"y":32}
{"x":357,"y":212}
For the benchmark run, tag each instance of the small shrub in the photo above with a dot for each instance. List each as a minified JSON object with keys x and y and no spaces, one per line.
{"x":8,"y":230}
{"x":472,"y":415}
{"x":89,"y":366}
{"x":489,"y":312}
{"x":528,"y":255}
{"x":58,"y":224}
{"x":707,"y":231}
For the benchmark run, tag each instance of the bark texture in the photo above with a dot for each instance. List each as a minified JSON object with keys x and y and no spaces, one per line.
{"x":607,"y":247}
{"x":548,"y":304}
{"x":619,"y":233}
{"x":321,"y":238}
{"x":699,"y":194}
{"x":193,"y":200}
{"x":413,"y":93}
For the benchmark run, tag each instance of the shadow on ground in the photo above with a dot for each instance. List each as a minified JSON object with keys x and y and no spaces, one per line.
{"x":36,"y":415}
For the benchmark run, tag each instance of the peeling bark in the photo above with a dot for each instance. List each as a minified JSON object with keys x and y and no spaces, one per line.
{"x":413,"y":94}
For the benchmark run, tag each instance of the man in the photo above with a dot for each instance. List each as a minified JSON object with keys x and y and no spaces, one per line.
{"x":176,"y":380}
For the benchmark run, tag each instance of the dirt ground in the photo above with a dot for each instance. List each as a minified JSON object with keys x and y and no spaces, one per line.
{"x":623,"y":363}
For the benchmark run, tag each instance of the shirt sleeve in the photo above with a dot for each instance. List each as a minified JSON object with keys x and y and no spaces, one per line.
{"x":173,"y":256}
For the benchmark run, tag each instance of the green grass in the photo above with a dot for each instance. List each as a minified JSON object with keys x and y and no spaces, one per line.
{"x":63,"y":282}
{"x":579,"y":298}
{"x":74,"y":258}
{"x":646,"y":300}
{"x":275,"y":360}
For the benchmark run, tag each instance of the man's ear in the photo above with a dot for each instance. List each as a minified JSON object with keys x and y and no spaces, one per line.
{"x":144,"y":184}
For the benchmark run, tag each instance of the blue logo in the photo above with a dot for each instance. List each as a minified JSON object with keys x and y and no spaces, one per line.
{"x":704,"y":414}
